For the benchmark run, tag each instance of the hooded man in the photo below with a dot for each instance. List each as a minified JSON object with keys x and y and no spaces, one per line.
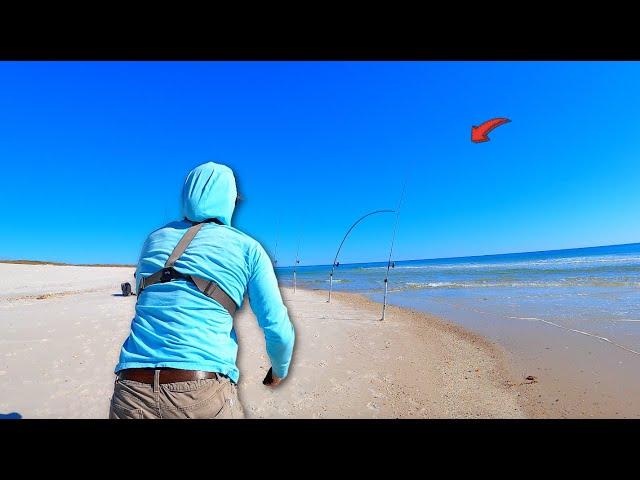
{"x":179,"y":360}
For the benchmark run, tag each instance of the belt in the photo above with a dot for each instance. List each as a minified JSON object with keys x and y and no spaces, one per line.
{"x":166,"y":375}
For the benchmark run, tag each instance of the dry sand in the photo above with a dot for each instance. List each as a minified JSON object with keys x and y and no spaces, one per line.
{"x":61,"y":328}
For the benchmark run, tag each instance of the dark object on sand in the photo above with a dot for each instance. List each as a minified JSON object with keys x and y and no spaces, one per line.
{"x":268,"y":380}
{"x":531,"y":379}
{"x":126,"y":289}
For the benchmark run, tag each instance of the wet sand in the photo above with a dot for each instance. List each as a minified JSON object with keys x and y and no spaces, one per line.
{"x":579,"y":375}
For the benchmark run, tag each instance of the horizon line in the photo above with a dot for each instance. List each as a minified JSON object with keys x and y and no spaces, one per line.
{"x":129,"y":265}
{"x":476,"y":256}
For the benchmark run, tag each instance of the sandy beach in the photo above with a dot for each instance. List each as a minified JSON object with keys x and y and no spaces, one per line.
{"x":348,"y":364}
{"x":61,"y":328}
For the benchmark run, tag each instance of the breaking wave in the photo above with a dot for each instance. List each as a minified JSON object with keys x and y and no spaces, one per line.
{"x":522,"y":284}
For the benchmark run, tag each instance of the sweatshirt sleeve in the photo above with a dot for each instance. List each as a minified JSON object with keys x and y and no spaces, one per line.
{"x":266,"y":303}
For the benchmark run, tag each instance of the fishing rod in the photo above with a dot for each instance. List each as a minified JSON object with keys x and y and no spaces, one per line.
{"x":334,"y":265}
{"x":275,"y":251}
{"x":275,"y":255}
{"x":295,"y":265}
{"x":393,"y":239}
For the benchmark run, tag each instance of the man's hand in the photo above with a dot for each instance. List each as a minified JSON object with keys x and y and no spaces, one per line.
{"x":271,"y":379}
{"x":276,"y":380}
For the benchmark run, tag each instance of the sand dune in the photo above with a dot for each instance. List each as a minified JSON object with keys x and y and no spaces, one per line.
{"x":61,"y":329}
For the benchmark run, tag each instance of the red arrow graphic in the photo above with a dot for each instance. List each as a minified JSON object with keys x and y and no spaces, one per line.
{"x":479,"y":134}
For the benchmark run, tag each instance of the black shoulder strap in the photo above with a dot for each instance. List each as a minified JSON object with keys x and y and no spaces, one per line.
{"x":209,"y":288}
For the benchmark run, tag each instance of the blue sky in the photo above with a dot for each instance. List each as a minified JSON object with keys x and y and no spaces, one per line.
{"x":94,"y":155}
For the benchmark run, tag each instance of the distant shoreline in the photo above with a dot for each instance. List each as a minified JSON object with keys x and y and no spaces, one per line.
{"x":62,"y":264}
{"x":382,"y":263}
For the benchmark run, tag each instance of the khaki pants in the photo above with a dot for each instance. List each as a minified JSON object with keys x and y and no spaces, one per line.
{"x":209,"y":398}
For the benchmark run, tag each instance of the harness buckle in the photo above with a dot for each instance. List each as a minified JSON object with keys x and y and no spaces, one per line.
{"x":167,"y":275}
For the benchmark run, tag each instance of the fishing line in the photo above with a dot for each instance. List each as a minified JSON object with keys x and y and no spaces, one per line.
{"x":581,"y":332}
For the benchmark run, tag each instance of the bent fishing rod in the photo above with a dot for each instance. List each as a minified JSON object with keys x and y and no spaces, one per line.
{"x":333,"y":266}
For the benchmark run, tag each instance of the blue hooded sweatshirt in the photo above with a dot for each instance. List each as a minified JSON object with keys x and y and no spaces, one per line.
{"x":177,"y":326}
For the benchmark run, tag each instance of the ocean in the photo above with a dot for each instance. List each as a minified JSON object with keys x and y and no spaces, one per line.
{"x":593,"y":292}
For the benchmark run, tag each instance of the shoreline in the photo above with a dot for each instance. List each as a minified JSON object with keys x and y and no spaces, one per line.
{"x":556,"y":373}
{"x":507,"y":371}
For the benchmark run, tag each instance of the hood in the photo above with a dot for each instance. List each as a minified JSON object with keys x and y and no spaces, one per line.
{"x":209,"y":191}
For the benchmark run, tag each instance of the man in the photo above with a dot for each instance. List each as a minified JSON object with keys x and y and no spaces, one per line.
{"x":179,"y":360}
